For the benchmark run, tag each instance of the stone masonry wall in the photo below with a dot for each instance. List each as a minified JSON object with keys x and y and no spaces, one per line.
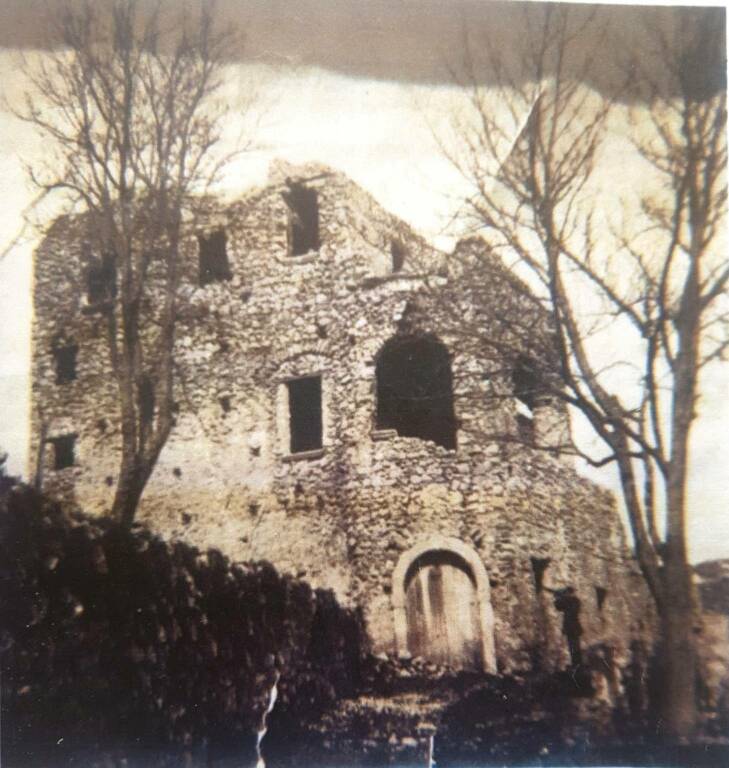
{"x":343,"y":516}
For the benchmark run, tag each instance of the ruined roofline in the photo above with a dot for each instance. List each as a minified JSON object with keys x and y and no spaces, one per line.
{"x":479,"y":245}
{"x":377,"y":228}
{"x":281,"y":175}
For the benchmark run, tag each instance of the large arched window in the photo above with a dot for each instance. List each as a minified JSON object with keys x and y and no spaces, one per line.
{"x":415,"y":390}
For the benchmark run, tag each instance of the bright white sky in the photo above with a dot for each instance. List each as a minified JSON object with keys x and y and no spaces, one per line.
{"x":379,"y":133}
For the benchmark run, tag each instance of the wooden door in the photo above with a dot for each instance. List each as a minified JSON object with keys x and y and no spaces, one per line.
{"x":442,"y":612}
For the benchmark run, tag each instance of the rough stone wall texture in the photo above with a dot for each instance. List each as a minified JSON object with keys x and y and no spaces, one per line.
{"x":341,"y":517}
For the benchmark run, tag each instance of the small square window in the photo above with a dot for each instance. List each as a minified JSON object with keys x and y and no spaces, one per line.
{"x":305,"y":414}
{"x":213,"y":258}
{"x":64,"y":451}
{"x":525,"y":428}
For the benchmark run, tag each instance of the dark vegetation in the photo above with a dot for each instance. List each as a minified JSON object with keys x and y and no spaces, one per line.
{"x":117,"y":646}
{"x":531,"y":719}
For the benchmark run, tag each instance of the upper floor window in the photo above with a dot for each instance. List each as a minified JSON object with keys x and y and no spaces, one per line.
{"x":415,"y":390}
{"x":526,"y":429}
{"x":305,"y":414}
{"x":64,"y":451}
{"x":526,"y":382}
{"x":213,"y":258}
{"x":398,"y":253}
{"x":64,"y":359}
{"x":303,"y":224}
{"x":528,"y":391}
{"x":101,"y":279}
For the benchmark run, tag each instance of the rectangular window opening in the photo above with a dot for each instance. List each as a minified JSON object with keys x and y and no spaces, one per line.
{"x":539,"y":568}
{"x":525,"y":429}
{"x":600,"y":597}
{"x":213,"y":258}
{"x":305,"y":414}
{"x":398,"y":252}
{"x":527,"y":382}
{"x":64,"y":450}
{"x":303,"y":227}
{"x":65,"y":363}
{"x":101,"y":279}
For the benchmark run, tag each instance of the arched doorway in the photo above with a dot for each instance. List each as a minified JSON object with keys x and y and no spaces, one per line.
{"x":441,"y":603}
{"x":441,"y":608}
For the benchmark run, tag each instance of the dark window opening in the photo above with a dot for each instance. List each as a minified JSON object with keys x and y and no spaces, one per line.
{"x":63,"y":451}
{"x":305,"y":414}
{"x":526,"y":382}
{"x":65,"y":363}
{"x":539,"y":568}
{"x":600,"y":595}
{"x":569,"y":605}
{"x":213,"y":258}
{"x":398,"y":252}
{"x":225,"y":403}
{"x":146,"y":399}
{"x":525,"y":428}
{"x":303,"y":228}
{"x":101,"y":279}
{"x":415,"y":390}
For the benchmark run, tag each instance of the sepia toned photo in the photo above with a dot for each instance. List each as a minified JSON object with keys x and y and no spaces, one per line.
{"x":363,"y":384}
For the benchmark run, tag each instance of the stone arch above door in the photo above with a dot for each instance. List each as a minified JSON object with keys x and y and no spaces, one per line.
{"x":452,"y":547}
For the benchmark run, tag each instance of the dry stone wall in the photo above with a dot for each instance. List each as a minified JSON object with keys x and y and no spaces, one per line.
{"x":343,"y":516}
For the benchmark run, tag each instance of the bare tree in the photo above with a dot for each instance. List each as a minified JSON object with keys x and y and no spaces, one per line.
{"x":529,"y":148}
{"x":129,"y":103}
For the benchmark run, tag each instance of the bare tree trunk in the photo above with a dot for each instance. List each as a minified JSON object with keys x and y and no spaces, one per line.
{"x":530,"y":204}
{"x":678,"y":700}
{"x":680,"y":609}
{"x":136,"y":123}
{"x":132,"y":481}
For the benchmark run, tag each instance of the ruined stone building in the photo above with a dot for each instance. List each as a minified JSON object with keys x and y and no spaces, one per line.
{"x":333,"y":419}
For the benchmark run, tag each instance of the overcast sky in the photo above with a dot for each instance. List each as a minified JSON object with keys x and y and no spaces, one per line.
{"x":360,"y":86}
